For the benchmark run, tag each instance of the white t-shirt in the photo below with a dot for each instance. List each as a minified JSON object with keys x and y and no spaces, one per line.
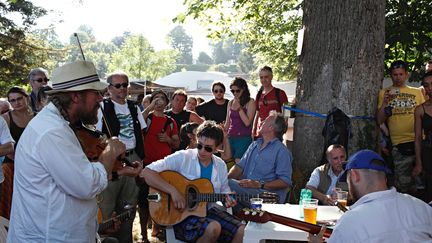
{"x":5,"y":137}
{"x":126,"y":134}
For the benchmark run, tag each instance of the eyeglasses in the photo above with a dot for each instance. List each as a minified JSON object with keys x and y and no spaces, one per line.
{"x":218,"y":91}
{"x":235,"y":91}
{"x":16,"y":100}
{"x":117,"y":86}
{"x":40,"y":80}
{"x":206,"y":147}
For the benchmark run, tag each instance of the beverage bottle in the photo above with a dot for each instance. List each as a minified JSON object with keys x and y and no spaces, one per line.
{"x":304,"y":194}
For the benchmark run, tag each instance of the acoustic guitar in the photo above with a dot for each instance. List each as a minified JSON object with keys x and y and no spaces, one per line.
{"x":197,"y":194}
{"x":261,"y":216}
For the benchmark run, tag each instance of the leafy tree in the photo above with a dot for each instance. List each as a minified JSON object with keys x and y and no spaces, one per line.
{"x":18,"y":53}
{"x":181,"y":41}
{"x":409,"y":33}
{"x":119,"y":40}
{"x":219,"y":54}
{"x":268,"y":27}
{"x":204,"y":58}
{"x":139,"y":60}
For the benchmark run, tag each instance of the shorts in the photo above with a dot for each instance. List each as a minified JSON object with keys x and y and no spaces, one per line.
{"x":193,"y":227}
{"x":239,"y":145}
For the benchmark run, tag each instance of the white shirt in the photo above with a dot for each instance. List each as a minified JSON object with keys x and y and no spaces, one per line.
{"x":55,"y":185}
{"x":385,"y":216}
{"x":126,"y":134}
{"x":186,"y":163}
{"x":5,"y":137}
{"x":314,"y":179}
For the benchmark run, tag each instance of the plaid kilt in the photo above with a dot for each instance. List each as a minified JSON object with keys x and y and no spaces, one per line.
{"x":193,"y":227}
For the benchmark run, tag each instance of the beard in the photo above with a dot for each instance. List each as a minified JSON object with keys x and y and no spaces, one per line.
{"x":89,"y":117}
{"x":354,"y":194}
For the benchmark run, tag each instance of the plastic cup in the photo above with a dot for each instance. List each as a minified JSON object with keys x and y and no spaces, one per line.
{"x":256,"y":203}
{"x":310,"y":208}
{"x":342,"y":198}
{"x":334,"y":193}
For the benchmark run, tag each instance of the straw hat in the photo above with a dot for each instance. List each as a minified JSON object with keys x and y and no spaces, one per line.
{"x":76,"y":76}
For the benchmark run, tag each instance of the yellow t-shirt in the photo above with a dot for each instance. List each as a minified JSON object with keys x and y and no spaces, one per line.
{"x":401,"y":122}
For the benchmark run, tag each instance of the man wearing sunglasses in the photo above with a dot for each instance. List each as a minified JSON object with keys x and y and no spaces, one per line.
{"x":124,"y":121}
{"x":266,"y":164}
{"x":199,"y":163}
{"x":396,"y":105}
{"x":215,"y":109}
{"x":379,"y":214}
{"x":38,"y":78}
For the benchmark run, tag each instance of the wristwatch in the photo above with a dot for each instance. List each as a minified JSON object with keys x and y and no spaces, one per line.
{"x":262,"y":183}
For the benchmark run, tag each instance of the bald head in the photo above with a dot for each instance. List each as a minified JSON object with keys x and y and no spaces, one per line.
{"x":4,"y":106}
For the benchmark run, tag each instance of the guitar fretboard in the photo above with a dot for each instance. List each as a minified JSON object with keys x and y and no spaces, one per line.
{"x":215,"y":197}
{"x":109,"y":223}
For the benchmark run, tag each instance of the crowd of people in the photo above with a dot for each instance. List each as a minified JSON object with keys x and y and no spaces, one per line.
{"x":51,"y":193}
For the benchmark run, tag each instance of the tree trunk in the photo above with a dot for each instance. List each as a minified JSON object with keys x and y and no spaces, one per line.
{"x":342,"y":65}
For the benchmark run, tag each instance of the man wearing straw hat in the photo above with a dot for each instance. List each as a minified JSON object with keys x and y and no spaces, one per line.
{"x":55,"y":185}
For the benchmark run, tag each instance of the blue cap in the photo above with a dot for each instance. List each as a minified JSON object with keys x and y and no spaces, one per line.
{"x":363,"y":160}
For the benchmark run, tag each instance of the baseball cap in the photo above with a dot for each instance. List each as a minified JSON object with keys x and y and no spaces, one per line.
{"x":363,"y":159}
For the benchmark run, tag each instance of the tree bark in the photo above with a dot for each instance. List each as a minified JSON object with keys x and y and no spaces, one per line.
{"x":342,"y":65}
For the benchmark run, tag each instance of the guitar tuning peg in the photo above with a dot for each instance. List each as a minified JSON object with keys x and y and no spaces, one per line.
{"x":254,"y":213}
{"x":246,"y":212}
{"x":261,"y":214}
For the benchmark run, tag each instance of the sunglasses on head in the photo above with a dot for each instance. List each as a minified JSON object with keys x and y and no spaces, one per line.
{"x":235,"y":91}
{"x":218,"y":91}
{"x":207,"y":148}
{"x":40,"y":80}
{"x":117,"y":86}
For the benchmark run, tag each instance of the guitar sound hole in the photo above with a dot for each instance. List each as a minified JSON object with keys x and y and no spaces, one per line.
{"x":191,"y":197}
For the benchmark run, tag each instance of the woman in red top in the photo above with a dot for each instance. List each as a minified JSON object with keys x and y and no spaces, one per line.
{"x":160,"y":138}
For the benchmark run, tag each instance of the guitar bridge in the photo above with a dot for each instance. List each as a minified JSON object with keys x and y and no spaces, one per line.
{"x":154,"y":197}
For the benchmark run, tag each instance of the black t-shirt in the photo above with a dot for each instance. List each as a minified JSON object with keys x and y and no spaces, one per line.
{"x":180,"y":118}
{"x":212,"y":111}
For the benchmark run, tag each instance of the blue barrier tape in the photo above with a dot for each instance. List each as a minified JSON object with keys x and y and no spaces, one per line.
{"x":316,"y":114}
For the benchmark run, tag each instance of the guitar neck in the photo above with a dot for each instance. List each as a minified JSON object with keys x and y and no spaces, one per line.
{"x":215,"y":197}
{"x":301,"y":225}
{"x":110,"y":222}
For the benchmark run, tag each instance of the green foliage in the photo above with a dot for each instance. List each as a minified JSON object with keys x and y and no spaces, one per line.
{"x":181,"y":41}
{"x":204,"y":58}
{"x":409,"y":33}
{"x":21,"y":50}
{"x":192,"y":67}
{"x":269,"y":28}
{"x":226,"y":68}
{"x":139,"y":60}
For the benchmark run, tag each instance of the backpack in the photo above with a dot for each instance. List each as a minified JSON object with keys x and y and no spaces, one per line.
{"x":337,"y":130}
{"x":168,"y":122}
{"x":277,"y":90}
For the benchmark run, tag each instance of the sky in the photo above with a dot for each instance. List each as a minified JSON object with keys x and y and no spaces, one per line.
{"x":110,"y":18}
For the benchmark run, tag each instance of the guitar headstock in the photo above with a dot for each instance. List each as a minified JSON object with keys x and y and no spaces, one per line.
{"x":254,"y":215}
{"x":269,"y":197}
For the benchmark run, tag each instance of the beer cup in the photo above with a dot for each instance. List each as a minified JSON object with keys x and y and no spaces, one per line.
{"x":342,"y":197}
{"x":310,"y":208}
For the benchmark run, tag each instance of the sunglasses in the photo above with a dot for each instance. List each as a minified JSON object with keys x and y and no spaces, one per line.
{"x":117,"y":86}
{"x":235,"y":91}
{"x":40,"y":80}
{"x":16,"y":100}
{"x":207,"y":148}
{"x":218,"y":91}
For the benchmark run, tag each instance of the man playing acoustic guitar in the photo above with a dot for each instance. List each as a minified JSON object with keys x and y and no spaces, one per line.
{"x":218,"y":225}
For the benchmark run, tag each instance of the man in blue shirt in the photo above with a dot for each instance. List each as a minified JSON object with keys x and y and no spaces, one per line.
{"x":266,"y":165}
